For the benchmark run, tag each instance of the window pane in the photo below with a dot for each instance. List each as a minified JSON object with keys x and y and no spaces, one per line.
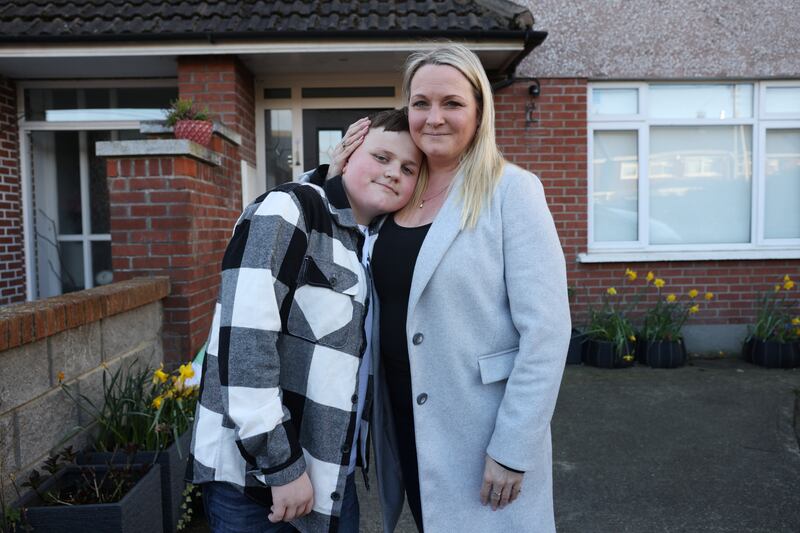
{"x":615,"y":186}
{"x":700,"y":183}
{"x":326,"y":141}
{"x":279,"y":146}
{"x":615,"y":101}
{"x":782,"y":211}
{"x":704,"y":101}
{"x":71,"y":255}
{"x":101,"y":263}
{"x":783,"y":100}
{"x":68,"y":182}
{"x":135,"y":103}
{"x":98,"y":188}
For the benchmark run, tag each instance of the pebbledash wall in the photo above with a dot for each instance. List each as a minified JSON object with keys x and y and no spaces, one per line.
{"x":71,"y":339}
{"x":591,"y":41}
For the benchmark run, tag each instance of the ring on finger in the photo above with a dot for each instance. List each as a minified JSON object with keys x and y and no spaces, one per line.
{"x":495,"y":494}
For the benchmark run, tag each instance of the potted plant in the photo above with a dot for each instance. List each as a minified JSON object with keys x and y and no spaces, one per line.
{"x":661,"y":341}
{"x":112,"y":498}
{"x":146,"y":417}
{"x":189,"y":122}
{"x":577,"y":340}
{"x":610,"y":334}
{"x":775,"y":338}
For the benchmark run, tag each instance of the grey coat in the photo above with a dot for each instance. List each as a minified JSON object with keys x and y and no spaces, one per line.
{"x":488,"y":329}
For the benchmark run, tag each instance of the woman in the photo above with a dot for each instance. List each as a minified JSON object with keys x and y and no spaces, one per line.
{"x":474,"y":321}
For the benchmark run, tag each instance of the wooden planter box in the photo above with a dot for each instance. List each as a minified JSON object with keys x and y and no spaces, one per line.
{"x":139,"y":511}
{"x":172,"y":463}
{"x":664,"y":354}
{"x":603,"y":354}
{"x":773,"y":354}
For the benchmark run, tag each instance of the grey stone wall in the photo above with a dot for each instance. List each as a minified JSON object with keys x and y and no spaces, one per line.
{"x":35,"y":413}
{"x":673,"y":39}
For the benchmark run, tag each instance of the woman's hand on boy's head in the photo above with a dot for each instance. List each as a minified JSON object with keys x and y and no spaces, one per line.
{"x":352,"y":139}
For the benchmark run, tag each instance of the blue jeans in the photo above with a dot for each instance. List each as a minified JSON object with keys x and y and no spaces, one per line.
{"x":230,"y":511}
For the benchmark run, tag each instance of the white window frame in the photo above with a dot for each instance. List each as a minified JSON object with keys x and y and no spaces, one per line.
{"x":640,"y":250}
{"x":28,"y":126}
{"x":296,"y":104}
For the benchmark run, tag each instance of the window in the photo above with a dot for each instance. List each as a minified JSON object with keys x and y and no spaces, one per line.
{"x":692,"y":168}
{"x":67,"y":224}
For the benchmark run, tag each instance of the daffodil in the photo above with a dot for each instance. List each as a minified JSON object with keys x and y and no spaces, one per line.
{"x":777,"y":287}
{"x":650,"y":276}
{"x":709,"y":295}
{"x":159,"y":376}
{"x":786,"y":278}
{"x":632,"y":338}
{"x":671,"y":298}
{"x":796,"y":321}
{"x":659,"y":282}
{"x":611,"y":291}
{"x":157,"y":402}
{"x":186,"y":371}
{"x":797,"y":332}
{"x":788,"y":285}
{"x":630,"y":274}
{"x":627,"y":358}
{"x":694,"y":309}
{"x":693,"y":293}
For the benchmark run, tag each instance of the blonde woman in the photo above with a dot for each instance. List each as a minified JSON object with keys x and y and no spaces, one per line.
{"x":473,"y":321}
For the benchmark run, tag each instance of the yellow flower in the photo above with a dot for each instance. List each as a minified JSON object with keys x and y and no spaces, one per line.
{"x":788,"y":285}
{"x":693,"y":293}
{"x":671,"y":298}
{"x":797,"y":332}
{"x":786,"y":278}
{"x":778,"y":287}
{"x":186,"y":371}
{"x":627,"y":357}
{"x":611,"y":291}
{"x":693,"y":309}
{"x":659,"y":282}
{"x":159,"y":376}
{"x":709,"y":295}
{"x":157,"y":402}
{"x":630,"y":274}
{"x":650,"y":277}
{"x":632,"y":338}
{"x":796,"y":321}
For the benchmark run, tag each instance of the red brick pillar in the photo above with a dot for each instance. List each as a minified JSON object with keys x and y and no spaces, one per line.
{"x":226,"y":87}
{"x":12,"y":254}
{"x":172,"y":214}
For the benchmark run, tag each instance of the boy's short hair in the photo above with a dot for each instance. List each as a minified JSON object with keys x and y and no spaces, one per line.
{"x":395,"y":120}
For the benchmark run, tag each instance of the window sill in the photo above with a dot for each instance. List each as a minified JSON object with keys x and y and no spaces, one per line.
{"x":717,"y":255}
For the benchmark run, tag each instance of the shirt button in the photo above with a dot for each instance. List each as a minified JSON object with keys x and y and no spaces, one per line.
{"x":354,"y":398}
{"x":422,"y":398}
{"x":335,"y":496}
{"x":417,"y":339}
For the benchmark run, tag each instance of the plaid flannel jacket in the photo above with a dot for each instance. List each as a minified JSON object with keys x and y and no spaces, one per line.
{"x":279,"y":387}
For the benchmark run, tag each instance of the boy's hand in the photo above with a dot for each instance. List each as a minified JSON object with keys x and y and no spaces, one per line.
{"x":292,"y":500}
{"x":352,"y":139}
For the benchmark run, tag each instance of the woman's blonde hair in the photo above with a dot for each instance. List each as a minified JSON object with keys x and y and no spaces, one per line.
{"x":481,"y":163}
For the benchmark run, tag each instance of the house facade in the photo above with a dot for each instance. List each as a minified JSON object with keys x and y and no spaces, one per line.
{"x":667,"y":137}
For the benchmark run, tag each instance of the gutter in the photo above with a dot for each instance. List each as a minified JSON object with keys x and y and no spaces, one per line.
{"x":532,"y":39}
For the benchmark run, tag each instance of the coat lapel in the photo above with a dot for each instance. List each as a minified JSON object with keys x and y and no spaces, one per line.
{"x":444,"y":229}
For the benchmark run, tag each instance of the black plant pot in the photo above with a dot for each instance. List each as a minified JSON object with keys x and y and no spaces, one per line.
{"x":664,"y":354}
{"x":604,"y":354}
{"x":576,"y":344}
{"x":173,"y":468}
{"x":775,"y":354}
{"x":139,"y":511}
{"x":747,"y":349}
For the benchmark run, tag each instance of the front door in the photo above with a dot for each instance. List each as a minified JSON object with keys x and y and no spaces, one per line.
{"x":323,"y":129}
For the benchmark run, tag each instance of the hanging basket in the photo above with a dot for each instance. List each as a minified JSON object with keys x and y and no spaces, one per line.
{"x":199,"y":131}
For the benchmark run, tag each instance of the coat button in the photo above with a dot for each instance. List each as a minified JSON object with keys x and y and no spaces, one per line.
{"x":345,"y":448}
{"x":422,"y":398}
{"x":335,"y":496}
{"x":332,"y":281}
{"x":417,"y":339}
{"x":354,"y":398}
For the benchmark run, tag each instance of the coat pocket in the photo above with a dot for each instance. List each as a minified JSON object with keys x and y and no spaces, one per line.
{"x":497,"y":366}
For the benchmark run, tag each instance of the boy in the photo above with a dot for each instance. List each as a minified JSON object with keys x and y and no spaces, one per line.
{"x":277,"y":422}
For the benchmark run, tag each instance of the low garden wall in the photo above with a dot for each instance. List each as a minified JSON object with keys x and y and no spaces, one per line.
{"x":71,"y":339}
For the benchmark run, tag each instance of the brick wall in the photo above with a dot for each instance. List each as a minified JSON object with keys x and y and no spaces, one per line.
{"x":226,"y":87}
{"x":555,"y":148}
{"x":12,"y":259}
{"x":173,"y":216}
{"x":74,"y":338}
